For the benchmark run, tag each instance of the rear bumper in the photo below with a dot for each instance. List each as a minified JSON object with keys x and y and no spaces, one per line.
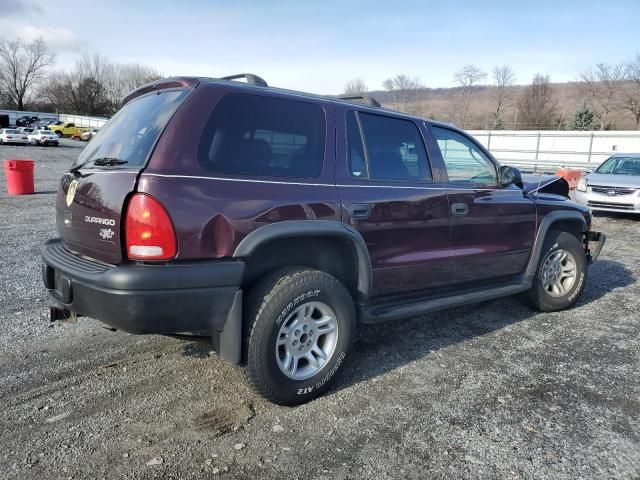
{"x":191,"y":297}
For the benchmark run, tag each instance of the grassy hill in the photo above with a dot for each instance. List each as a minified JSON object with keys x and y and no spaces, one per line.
{"x":440,"y":104}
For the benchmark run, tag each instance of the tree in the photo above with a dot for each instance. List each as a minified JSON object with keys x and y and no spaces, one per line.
{"x":584,"y":118}
{"x":498,"y":124}
{"x":467,"y":79}
{"x":356,"y":87}
{"x":503,"y":77}
{"x":22,"y":67}
{"x":96,"y":86}
{"x":631,"y":91}
{"x":537,"y":105}
{"x":403,"y":90}
{"x":602,"y":86}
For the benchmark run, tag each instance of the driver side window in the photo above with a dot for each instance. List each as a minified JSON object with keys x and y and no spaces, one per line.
{"x":463,"y":160}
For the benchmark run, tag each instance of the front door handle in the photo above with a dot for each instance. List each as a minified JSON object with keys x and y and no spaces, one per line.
{"x":459,"y":209}
{"x":359,"y":210}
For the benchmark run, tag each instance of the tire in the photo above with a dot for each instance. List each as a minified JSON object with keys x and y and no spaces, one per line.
{"x":277,"y":302}
{"x":561,"y":251}
{"x":59,"y":134}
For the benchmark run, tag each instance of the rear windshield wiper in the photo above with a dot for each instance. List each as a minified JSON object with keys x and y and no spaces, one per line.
{"x":100,"y":162}
{"x":109,"y":162}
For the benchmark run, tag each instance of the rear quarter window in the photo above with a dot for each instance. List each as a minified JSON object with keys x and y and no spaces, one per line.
{"x":263,"y":136}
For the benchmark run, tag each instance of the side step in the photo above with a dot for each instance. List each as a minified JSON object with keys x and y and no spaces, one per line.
{"x":403,"y":308}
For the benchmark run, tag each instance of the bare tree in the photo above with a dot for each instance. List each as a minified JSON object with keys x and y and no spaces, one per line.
{"x":602,"y":86}
{"x":537,"y":105}
{"x":503,"y":78}
{"x":631,"y":90}
{"x":22,"y":67}
{"x":467,"y":78}
{"x":403,"y":90}
{"x":96,"y":86}
{"x":356,"y":87}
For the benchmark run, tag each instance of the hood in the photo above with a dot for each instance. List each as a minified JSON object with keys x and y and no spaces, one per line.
{"x":534,"y":183}
{"x":609,"y":180}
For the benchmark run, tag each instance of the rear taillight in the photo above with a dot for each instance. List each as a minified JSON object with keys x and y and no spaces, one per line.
{"x":149,"y":232}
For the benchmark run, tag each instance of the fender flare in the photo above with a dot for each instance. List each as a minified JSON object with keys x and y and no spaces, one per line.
{"x":545,"y":226}
{"x":314,"y":228}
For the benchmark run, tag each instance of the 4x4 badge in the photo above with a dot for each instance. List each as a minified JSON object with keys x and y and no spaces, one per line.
{"x":71,"y":192}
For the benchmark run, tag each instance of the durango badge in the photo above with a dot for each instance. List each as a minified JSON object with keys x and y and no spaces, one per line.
{"x":71,"y":192}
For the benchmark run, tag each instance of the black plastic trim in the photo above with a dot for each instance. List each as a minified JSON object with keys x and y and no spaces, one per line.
{"x":314,"y":228}
{"x":543,"y":229}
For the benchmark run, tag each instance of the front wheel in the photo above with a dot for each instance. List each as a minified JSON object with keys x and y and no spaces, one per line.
{"x":561,"y":275}
{"x":301,"y":324}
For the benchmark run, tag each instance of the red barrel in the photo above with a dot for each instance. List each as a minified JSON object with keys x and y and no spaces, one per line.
{"x":19,"y":176}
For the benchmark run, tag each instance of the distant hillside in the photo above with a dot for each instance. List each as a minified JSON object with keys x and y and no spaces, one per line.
{"x":439,"y":104}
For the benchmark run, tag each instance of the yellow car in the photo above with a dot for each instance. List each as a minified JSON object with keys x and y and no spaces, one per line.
{"x":67,"y":130}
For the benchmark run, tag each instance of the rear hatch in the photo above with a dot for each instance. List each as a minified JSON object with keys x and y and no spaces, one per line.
{"x":92,"y":196}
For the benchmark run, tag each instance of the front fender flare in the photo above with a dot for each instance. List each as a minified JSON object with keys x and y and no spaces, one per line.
{"x":545,"y":226}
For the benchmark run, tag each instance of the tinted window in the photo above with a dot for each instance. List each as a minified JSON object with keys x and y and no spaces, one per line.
{"x":133,"y":131}
{"x":463,"y":160}
{"x":395,"y":150}
{"x":355,"y":149}
{"x":621,"y":166}
{"x":253,"y":135}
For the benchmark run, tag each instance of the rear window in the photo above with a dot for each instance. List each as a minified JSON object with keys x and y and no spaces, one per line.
{"x":263,"y":136}
{"x":131,"y":133}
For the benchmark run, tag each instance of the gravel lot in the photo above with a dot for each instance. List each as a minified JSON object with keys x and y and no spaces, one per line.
{"x":490,"y":391}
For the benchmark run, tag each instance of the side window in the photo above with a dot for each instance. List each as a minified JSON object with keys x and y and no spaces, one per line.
{"x":264,"y":136}
{"x":395,"y":149}
{"x":463,"y":160}
{"x":355,"y":149}
{"x":71,"y":125}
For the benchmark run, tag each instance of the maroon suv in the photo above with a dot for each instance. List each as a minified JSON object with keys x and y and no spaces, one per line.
{"x":275,"y":221}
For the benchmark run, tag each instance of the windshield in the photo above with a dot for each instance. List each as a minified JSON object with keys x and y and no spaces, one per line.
{"x":12,"y":132}
{"x":132,"y":133}
{"x":621,"y":166}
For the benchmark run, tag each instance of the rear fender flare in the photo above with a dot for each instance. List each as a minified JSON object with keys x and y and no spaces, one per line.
{"x":314,"y":228}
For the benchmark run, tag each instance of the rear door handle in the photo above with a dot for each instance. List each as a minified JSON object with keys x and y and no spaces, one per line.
{"x":459,"y":209}
{"x":359,"y":210}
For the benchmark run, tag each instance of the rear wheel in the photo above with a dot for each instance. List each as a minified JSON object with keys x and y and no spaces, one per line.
{"x":59,"y":134}
{"x":301,"y":324}
{"x":561,"y":275}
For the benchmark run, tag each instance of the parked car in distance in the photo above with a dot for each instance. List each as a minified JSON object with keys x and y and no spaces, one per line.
{"x":25,"y":130}
{"x":26,"y":120}
{"x":43,"y":137}
{"x":67,"y":130}
{"x":274,"y":222}
{"x":4,"y":120}
{"x":89,"y":134}
{"x":12,"y":136}
{"x":614,"y":186}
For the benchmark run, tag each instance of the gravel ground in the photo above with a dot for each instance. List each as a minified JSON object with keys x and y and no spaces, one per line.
{"x":490,"y":391}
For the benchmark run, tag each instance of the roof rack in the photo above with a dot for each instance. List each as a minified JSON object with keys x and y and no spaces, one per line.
{"x":250,"y":77}
{"x":372,"y":102}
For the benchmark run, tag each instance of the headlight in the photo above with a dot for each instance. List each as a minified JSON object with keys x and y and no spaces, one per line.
{"x":582,"y":185}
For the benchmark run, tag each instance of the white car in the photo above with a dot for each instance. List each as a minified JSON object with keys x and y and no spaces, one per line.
{"x":43,"y":137}
{"x":25,"y":130}
{"x":12,"y":136}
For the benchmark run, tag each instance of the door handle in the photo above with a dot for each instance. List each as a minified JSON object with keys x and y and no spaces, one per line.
{"x":459,"y":209}
{"x":359,"y":210}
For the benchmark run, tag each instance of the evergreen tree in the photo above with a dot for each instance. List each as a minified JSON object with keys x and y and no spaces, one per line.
{"x":584,"y":119}
{"x":497,"y":123}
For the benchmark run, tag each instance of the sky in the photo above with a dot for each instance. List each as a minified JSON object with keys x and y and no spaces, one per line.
{"x":317,"y":46}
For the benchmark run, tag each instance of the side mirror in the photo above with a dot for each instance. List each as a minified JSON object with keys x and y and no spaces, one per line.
{"x":509,"y":175}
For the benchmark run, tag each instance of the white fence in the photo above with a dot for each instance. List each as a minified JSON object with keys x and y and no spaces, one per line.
{"x":542,"y":150}
{"x":82,"y":121}
{"x":79,"y":120}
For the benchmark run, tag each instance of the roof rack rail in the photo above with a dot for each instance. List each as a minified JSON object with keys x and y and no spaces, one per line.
{"x":250,"y":77}
{"x":372,"y":102}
